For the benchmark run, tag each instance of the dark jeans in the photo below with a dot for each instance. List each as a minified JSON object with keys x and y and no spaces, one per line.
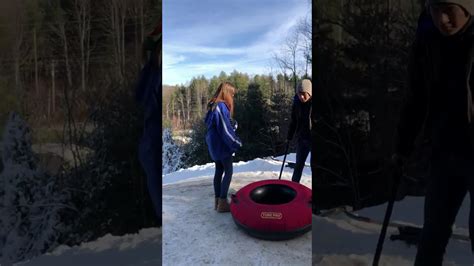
{"x":451,"y":178}
{"x":302,"y":150}
{"x":221,"y":185}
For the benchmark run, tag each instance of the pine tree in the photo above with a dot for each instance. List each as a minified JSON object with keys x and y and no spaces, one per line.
{"x":29,"y":200}
{"x":171,"y":153}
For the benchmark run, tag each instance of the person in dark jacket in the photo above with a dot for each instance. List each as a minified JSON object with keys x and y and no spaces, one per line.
{"x":439,"y":103}
{"x":222,"y":141}
{"x":148,"y":96}
{"x":300,"y":126}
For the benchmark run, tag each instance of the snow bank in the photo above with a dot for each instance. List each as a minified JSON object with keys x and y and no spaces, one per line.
{"x":291,"y":157}
{"x":199,"y":172}
{"x":339,"y":240}
{"x":143,"y":248}
{"x":61,"y":150}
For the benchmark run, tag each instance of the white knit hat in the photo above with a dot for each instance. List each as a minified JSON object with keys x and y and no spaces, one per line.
{"x":468,"y":5}
{"x":305,"y":86}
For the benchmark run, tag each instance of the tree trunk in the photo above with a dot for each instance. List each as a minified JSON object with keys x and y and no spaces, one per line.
{"x":122,"y":19}
{"x":16,"y":66}
{"x":117,"y":19}
{"x":61,"y":31}
{"x":66,"y":59}
{"x":17,"y":59}
{"x":35,"y":48}
{"x":83,"y":22}
{"x":173,"y":111}
{"x":51,"y":92}
{"x":182,"y":108}
{"x":53,"y":87}
{"x":142,"y":23}
{"x":188,"y":104}
{"x":137,"y":45}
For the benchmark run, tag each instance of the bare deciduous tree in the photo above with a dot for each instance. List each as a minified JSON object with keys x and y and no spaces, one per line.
{"x":82,"y":13}
{"x":58,"y":27}
{"x":304,"y":28}
{"x":288,"y":59}
{"x":116,"y":29}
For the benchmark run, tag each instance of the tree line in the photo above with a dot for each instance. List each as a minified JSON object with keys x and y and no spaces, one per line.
{"x":362,"y":50}
{"x":262,"y":110}
{"x":262,"y":102}
{"x":64,"y":52}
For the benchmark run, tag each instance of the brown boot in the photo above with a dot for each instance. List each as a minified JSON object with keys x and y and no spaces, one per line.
{"x":223,"y":205}
{"x":215,"y":203}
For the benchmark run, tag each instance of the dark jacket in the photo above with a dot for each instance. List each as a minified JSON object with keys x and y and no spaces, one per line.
{"x":438,"y":88}
{"x":221,"y":139}
{"x":148,"y":96}
{"x":300,"y":123}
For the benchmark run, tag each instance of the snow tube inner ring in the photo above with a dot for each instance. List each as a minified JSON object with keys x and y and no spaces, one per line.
{"x":273,"y":194}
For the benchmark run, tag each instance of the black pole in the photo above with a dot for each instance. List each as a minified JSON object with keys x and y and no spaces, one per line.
{"x":386,"y":219}
{"x":284,"y":159}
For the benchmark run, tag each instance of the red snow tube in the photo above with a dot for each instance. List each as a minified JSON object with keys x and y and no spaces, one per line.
{"x":273,"y":209}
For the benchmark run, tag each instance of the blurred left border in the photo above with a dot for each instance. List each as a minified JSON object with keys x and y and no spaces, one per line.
{"x":80,"y":131}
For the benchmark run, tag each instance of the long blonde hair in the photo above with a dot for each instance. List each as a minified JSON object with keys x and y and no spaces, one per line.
{"x":225,"y":93}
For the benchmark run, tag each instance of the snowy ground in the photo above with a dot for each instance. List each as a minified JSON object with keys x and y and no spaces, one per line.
{"x":139,"y":249}
{"x":339,"y":240}
{"x":195,"y":234}
{"x":61,"y":150}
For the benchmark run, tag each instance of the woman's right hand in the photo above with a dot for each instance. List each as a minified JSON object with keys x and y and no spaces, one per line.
{"x":234,"y":124}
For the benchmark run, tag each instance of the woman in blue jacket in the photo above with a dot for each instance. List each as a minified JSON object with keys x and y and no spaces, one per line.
{"x":148,"y":96}
{"x":222,"y":141}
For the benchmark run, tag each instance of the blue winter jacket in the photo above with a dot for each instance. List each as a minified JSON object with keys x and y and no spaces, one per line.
{"x":148,"y":96}
{"x":221,"y":139}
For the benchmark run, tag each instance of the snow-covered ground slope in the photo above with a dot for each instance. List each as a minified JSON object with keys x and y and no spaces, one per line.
{"x":203,"y":172}
{"x":339,"y":240}
{"x":195,"y":234}
{"x":143,"y":248}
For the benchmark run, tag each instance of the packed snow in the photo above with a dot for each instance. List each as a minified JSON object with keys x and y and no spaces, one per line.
{"x":192,"y":238}
{"x":339,"y":240}
{"x":143,"y":248}
{"x":195,"y":234}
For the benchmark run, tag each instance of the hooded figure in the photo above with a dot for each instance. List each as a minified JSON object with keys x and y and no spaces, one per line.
{"x":439,"y":104}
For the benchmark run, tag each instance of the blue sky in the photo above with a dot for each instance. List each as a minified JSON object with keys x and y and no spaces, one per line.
{"x":209,"y":36}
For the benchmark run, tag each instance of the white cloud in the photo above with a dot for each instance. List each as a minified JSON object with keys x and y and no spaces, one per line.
{"x":208,"y":50}
{"x":171,"y":59}
{"x":202,"y":40}
{"x":213,"y":69}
